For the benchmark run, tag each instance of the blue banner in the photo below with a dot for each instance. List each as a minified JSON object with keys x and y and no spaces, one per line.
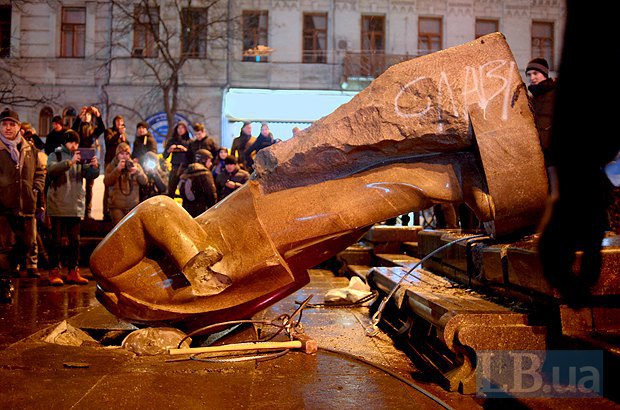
{"x":158,"y":126}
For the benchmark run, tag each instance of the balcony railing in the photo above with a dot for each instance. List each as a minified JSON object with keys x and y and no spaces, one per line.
{"x":370,"y":64}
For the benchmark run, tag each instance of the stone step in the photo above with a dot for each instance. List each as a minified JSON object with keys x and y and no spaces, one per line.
{"x":411,"y":248}
{"x":395,"y":259}
{"x":391,"y":238}
{"x":592,"y":322}
{"x":463,"y":321}
{"x":453,"y":261}
{"x":523,"y":268}
{"x":442,"y":295}
{"x":392,"y":233}
{"x":361,"y":271}
{"x":357,"y":254}
{"x":511,"y":268}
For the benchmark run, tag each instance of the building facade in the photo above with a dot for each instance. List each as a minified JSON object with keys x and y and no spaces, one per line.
{"x":286,"y":62}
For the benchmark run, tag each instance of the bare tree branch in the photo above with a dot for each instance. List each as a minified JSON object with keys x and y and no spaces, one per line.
{"x":17,"y":91}
{"x":165,"y":36}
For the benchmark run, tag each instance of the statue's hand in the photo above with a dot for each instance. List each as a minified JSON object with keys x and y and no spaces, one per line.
{"x":161,"y":247}
{"x":203,"y":279}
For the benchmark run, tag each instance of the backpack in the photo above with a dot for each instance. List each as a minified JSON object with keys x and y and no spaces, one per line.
{"x":49,"y":181}
{"x":185,"y":189}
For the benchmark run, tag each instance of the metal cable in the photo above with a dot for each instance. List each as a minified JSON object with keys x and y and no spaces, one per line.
{"x":283,"y":322}
{"x":373,"y":329}
{"x":361,"y":301}
{"x":391,"y":373}
{"x":286,"y":326}
{"x":239,"y":358}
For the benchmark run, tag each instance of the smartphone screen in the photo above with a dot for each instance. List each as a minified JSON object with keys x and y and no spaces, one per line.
{"x":87,"y":154}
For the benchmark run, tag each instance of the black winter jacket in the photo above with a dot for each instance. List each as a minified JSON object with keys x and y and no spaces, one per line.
{"x":203,"y":193}
{"x":542,"y":102}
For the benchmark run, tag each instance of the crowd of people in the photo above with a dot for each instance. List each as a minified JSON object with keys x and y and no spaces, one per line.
{"x":46,"y":189}
{"x":46,"y":184}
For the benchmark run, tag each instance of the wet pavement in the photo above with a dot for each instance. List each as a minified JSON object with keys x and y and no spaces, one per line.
{"x":37,"y":374}
{"x":37,"y":306}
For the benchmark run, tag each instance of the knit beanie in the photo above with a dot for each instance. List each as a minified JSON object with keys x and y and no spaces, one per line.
{"x":202,"y":155}
{"x":540,"y":65}
{"x":71,"y":136}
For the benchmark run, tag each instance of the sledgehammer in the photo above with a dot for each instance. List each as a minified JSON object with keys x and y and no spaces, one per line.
{"x":301,"y":341}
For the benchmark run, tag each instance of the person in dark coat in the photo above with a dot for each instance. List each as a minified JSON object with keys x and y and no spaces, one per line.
{"x":576,"y":219}
{"x":201,"y":141}
{"x":177,"y":146}
{"x":56,"y":136}
{"x":143,"y":142}
{"x":241,"y":143}
{"x":232,"y":178}
{"x":264,"y":140}
{"x":218,"y":162}
{"x":22,"y":177}
{"x":196,"y":185}
{"x":114,"y":136}
{"x":30,"y":134}
{"x":542,"y":99}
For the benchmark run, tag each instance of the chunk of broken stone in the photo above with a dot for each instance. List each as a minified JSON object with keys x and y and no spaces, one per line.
{"x":153,"y":341}
{"x":67,"y":335}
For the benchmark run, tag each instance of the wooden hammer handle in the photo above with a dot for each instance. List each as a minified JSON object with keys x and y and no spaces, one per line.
{"x":234,"y":347}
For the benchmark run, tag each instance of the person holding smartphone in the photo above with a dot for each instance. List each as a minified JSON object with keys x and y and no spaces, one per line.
{"x":113,"y":136}
{"x":177,"y":146}
{"x":89,"y":126}
{"x":66,"y":205}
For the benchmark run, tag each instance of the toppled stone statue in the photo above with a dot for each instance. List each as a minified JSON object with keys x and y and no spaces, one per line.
{"x":453,"y":126}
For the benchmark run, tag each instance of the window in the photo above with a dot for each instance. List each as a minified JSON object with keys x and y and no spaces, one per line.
{"x":315,"y":38}
{"x":372,"y":58}
{"x":194,"y":38}
{"x":145,"y":31}
{"x":373,"y":33}
{"x":45,"y":121}
{"x":429,"y":34}
{"x":73,"y":32}
{"x":68,"y":116}
{"x":254,"y":34}
{"x":486,"y":26}
{"x":5,"y":31}
{"x":542,"y":41}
